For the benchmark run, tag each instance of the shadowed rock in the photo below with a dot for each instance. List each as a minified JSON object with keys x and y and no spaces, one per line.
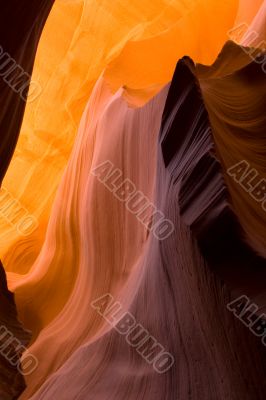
{"x":11,"y":380}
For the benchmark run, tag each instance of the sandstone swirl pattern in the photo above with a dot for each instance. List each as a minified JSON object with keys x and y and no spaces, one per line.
{"x":113,"y":89}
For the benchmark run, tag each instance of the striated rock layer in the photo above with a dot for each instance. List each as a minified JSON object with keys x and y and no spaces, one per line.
{"x":168,"y":286}
{"x":234,"y":93}
{"x":207,"y":197}
{"x":136,"y":44}
{"x":175,"y":149}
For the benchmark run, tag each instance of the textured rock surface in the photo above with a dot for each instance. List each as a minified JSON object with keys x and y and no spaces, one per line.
{"x":175,"y":148}
{"x":170,"y":289}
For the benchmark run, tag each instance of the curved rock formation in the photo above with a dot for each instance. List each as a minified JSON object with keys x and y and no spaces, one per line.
{"x":167,"y":146}
{"x":167,"y":286}
{"x":234,"y":93}
{"x":79,"y":42}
